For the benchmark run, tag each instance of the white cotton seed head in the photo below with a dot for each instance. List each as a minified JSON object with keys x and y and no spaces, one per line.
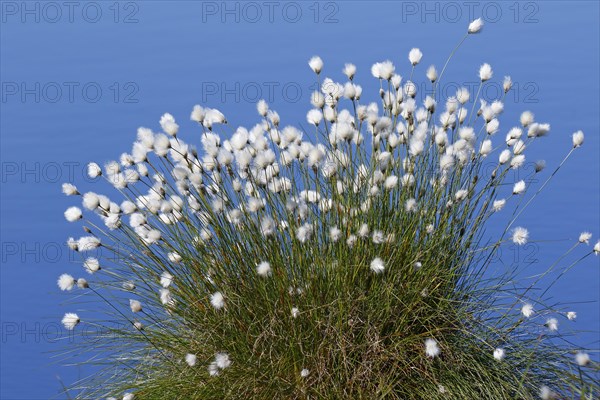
{"x":91,"y":265}
{"x":222,"y":360}
{"x":526,"y":118}
{"x":504,"y":156}
{"x":538,"y":130}
{"x":391,"y":182}
{"x":571,"y":315}
{"x":304,"y":373}
{"x":190,"y":359}
{"x":135,"y":305}
{"x":166,"y":279}
{"x":128,"y":396}
{"x":217,"y":300}
{"x":377,"y":265}
{"x":414,"y":56}
{"x":552,"y":324}
{"x":486,"y":147}
{"x":597,"y":248}
{"x":582,"y":359}
{"x":517,"y":161}
{"x":174,"y":257}
{"x":73,"y":214}
{"x":94,"y":170}
{"x":519,"y":187}
{"x":461,"y":195}
{"x":499,"y":354}
{"x":507,"y":84}
{"x":66,"y":282}
{"x":546,"y":393}
{"x":90,"y":201}
{"x":335,"y":233}
{"x":263,"y":269}
{"x":73,"y":244}
{"x":316,"y":64}
{"x":520,"y":236}
{"x":527,"y":310}
{"x":475,"y":26}
{"x":498,"y":205}
{"x":262,"y":107}
{"x":295,"y":312}
{"x":578,"y":139}
{"x":69,"y":189}
{"x":70,"y":321}
{"x":431,"y":348}
{"x":485,"y":72}
{"x":349,"y":70}
{"x":585,"y":237}
{"x":432,"y":73}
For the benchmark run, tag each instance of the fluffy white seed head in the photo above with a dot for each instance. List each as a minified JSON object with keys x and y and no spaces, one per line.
{"x":349,"y":70}
{"x":498,"y":205}
{"x":519,"y":187}
{"x":552,"y":324}
{"x":499,"y":354}
{"x":414,"y":56}
{"x":377,"y":265}
{"x":582,"y":359}
{"x":316,"y":64}
{"x":135,"y":305}
{"x":166,"y":279}
{"x":431,"y":348}
{"x":578,"y":139}
{"x":432,"y":73}
{"x":217,"y":300}
{"x":73,"y":214}
{"x":91,"y":265}
{"x":70,"y":321}
{"x":571,"y":315}
{"x":222,"y":360}
{"x":475,"y":26}
{"x":69,"y":189}
{"x":547,"y":394}
{"x":94,"y":170}
{"x":190,"y":359}
{"x":520,"y":236}
{"x":263,"y":269}
{"x":585,"y":237}
{"x":66,"y":282}
{"x":527,"y":310}
{"x":485,"y":72}
{"x":262,"y":107}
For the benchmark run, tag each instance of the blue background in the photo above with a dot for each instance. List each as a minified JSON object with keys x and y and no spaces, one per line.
{"x":152,"y":57}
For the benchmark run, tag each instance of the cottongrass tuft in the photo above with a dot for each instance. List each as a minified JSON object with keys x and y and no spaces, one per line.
{"x":372,"y":220}
{"x":70,"y":321}
{"x":377,"y":265}
{"x":431,"y":348}
{"x":520,"y":236}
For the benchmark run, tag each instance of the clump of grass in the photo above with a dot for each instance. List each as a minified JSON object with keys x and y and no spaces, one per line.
{"x":355,"y":266}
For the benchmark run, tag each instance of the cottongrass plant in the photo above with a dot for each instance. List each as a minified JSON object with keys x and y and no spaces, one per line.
{"x":352,"y":266}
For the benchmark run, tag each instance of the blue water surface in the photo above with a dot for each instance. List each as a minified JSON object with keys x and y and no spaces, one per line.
{"x":78,"y":79}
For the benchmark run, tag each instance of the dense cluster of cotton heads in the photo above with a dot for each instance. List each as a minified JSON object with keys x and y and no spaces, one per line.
{"x":270,"y":261}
